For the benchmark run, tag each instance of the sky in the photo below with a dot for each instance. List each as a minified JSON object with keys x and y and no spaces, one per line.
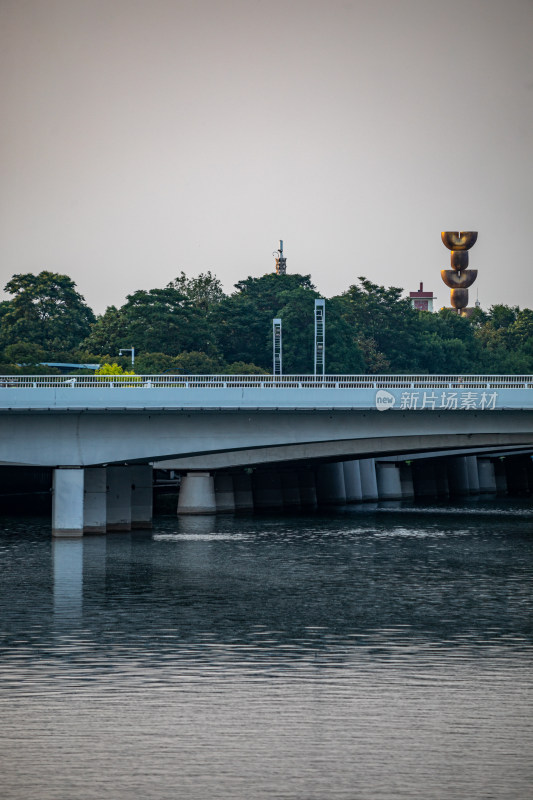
{"x":140,"y":138}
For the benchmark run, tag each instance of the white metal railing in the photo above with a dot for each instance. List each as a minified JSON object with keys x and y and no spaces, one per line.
{"x":267,"y":381}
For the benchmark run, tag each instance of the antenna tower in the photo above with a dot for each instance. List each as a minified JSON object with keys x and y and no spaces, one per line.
{"x":281,"y":261}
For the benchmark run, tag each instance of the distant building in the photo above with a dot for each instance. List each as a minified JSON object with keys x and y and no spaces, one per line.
{"x":421,"y":300}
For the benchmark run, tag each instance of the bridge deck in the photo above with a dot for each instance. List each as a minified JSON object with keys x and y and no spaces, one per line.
{"x":265,"y":392}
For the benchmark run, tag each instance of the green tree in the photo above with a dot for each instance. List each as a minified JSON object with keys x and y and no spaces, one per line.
{"x":384,"y":323}
{"x":205,"y":291}
{"x":505,"y":339}
{"x":159,"y":320}
{"x":243,"y":321}
{"x":45,"y":310}
{"x":445,"y":343}
{"x":196,"y":363}
{"x":107,"y":333}
{"x":153,"y":363}
{"x":24,"y":353}
{"x":113,"y":369}
{"x":501,"y":316}
{"x":242,"y":368}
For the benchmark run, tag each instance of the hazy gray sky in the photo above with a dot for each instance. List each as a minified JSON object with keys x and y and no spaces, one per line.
{"x":143,"y":137}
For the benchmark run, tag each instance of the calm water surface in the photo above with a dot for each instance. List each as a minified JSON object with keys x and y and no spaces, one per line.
{"x":368,"y":654}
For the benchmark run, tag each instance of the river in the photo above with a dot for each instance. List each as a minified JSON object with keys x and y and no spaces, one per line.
{"x":369,"y":653}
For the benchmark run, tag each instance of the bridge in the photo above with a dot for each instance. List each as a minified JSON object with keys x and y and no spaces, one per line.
{"x":109,"y":432}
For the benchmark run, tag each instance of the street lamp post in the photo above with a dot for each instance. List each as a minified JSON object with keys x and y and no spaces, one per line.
{"x":128,"y":350}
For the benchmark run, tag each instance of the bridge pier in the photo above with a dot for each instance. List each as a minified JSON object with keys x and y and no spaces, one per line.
{"x":388,"y":481}
{"x":118,"y":499}
{"x":67,"y":502}
{"x":500,"y":478}
{"x":95,"y":500}
{"x":516,"y":470}
{"x":352,"y":481}
{"x":330,"y":487}
{"x":267,"y":492}
{"x":197,"y":494}
{"x":487,"y":478}
{"x":224,"y":494}
{"x":458,"y":477}
{"x":242,"y":491}
{"x":473,"y":475}
{"x":441,"y":480}
{"x":141,"y":496}
{"x":307,"y":483}
{"x":406,"y":482}
{"x":369,"y":486}
{"x":290,"y":489}
{"x":424,"y":481}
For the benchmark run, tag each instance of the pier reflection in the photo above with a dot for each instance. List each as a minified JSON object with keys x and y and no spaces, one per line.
{"x":67,"y":559}
{"x":222,"y":580}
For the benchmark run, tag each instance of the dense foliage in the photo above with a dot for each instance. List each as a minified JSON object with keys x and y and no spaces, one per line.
{"x":192,"y":326}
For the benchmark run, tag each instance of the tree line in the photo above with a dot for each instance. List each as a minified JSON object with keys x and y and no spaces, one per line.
{"x":191,"y":326}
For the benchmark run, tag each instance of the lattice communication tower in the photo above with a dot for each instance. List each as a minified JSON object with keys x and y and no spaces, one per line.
{"x":277,"y":367}
{"x":320,"y":337}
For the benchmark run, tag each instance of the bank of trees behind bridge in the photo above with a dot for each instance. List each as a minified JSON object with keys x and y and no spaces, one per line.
{"x":192,"y":326}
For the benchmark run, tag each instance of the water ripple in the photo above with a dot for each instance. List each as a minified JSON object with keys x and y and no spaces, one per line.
{"x":377,"y":654}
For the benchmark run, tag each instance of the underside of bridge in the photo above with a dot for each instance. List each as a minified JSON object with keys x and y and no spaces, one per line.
{"x":218,"y":440}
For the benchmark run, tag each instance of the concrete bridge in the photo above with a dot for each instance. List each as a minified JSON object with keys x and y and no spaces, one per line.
{"x":111,"y":430}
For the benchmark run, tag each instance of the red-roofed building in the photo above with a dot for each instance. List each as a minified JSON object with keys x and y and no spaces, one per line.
{"x":421,"y":300}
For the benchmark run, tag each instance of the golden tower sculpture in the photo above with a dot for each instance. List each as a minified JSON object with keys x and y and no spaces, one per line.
{"x":459,"y":278}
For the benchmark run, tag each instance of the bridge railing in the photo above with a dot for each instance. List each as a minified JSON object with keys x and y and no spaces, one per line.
{"x":268,"y":381}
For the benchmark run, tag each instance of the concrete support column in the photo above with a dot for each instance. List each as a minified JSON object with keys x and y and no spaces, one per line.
{"x":290,"y":489}
{"x":352,"y":481}
{"x":487,"y":478}
{"x":441,"y":479}
{"x":330,"y":487}
{"x":369,"y":486}
{"x":424,"y":481}
{"x":67,"y":503}
{"x":473,"y":477}
{"x":406,"y":481}
{"x":500,"y":478}
{"x":266,"y":486}
{"x":197,"y":494}
{"x":142,"y":496}
{"x":242,"y":491}
{"x":307,"y":483}
{"x":516,"y":470}
{"x":95,"y":500}
{"x":388,"y":480}
{"x":458,"y":477}
{"x":118,"y":499}
{"x":224,"y":495}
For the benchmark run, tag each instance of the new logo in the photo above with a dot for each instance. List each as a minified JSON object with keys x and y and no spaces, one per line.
{"x":384,"y":400}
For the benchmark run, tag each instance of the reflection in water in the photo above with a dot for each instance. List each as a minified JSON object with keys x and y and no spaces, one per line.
{"x":196,"y":526}
{"x":94,"y":564}
{"x":67,"y":555}
{"x":360,"y":654}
